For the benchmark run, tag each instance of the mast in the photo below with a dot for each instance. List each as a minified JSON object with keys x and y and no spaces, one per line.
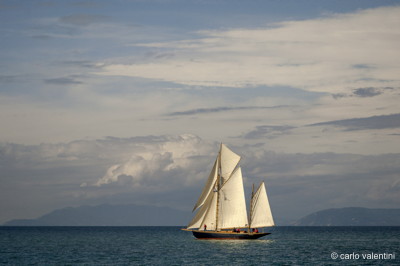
{"x":251,"y":206}
{"x":218,"y":187}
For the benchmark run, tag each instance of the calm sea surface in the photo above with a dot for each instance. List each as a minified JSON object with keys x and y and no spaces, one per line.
{"x":171,"y":246}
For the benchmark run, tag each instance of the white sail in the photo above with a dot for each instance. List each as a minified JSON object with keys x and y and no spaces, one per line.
{"x":261,"y":215}
{"x":229,"y":161}
{"x":209,"y":185}
{"x":198,"y":219}
{"x":232,"y":207}
{"x":210,"y":216}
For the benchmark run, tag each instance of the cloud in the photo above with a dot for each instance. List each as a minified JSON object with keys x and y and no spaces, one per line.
{"x":170,"y":170}
{"x":82,"y":26}
{"x":42,"y":36}
{"x":362,"y":66}
{"x":173,"y":78}
{"x":338,"y":73}
{"x":84,"y":19}
{"x":63,"y":81}
{"x":137,"y":170}
{"x":83,"y":63}
{"x":269,"y":132}
{"x":153,"y":170}
{"x":307,"y":182}
{"x":367,"y":92}
{"x":373,"y":122}
{"x":328,"y":54}
{"x":160,"y":164}
{"x":221,"y":109}
{"x":9,"y":78}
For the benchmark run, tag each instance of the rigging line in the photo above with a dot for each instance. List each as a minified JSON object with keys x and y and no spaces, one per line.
{"x":256,"y":196}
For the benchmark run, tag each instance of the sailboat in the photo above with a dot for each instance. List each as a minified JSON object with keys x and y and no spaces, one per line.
{"x":221,"y":207}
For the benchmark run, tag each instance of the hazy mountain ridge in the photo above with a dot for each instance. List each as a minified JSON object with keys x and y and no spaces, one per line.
{"x":108,"y":215}
{"x":352,"y":216}
{"x":136,"y":215}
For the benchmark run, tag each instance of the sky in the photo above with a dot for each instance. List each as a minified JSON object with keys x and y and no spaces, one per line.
{"x":126,"y":102}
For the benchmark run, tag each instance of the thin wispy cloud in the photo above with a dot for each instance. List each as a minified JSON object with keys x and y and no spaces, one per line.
{"x":63,"y":81}
{"x":373,"y":122}
{"x":9,"y":78}
{"x":267,"y":131}
{"x":83,"y":63}
{"x":365,"y":92}
{"x":221,"y":109}
{"x":84,"y":19}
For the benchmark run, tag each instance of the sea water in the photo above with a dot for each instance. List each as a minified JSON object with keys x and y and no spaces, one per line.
{"x":171,"y":246}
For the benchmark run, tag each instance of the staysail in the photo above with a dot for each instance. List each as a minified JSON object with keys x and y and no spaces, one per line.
{"x":261,"y":215}
{"x":207,"y":210}
{"x":206,"y":215}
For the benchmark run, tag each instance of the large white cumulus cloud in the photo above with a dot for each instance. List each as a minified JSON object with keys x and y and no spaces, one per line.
{"x":175,"y":160}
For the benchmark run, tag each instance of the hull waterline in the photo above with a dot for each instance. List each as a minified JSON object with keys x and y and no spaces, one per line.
{"x":226,"y":235}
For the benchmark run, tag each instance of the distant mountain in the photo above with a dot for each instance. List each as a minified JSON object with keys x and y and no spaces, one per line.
{"x":352,"y":216}
{"x":108,"y":215}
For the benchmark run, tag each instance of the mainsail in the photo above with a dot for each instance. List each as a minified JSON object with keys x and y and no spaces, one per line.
{"x":222,"y":203}
{"x":232,"y":208}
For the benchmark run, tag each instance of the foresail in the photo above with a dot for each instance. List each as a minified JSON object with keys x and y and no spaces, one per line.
{"x":261,"y":215}
{"x":210,"y":216}
{"x":229,"y":161}
{"x":209,"y":185}
{"x":232,"y":209}
{"x":198,"y":219}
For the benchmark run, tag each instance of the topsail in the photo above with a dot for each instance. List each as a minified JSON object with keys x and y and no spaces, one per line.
{"x":229,"y":161}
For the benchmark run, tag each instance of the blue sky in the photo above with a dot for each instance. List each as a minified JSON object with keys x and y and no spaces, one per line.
{"x":308,"y":88}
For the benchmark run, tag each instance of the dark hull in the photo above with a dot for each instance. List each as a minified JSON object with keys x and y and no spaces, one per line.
{"x":226,"y":235}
